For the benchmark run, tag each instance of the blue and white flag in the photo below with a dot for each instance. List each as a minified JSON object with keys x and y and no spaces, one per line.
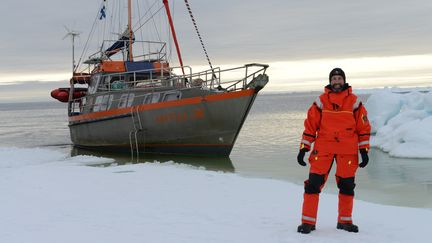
{"x":102,"y":13}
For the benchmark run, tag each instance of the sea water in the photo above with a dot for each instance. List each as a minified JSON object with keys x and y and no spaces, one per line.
{"x":266,"y":147}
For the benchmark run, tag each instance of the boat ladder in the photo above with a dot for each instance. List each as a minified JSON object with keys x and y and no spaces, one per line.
{"x":133,"y":138}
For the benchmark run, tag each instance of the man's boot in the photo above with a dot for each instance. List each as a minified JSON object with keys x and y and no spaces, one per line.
{"x":348,"y":227}
{"x":305,"y":228}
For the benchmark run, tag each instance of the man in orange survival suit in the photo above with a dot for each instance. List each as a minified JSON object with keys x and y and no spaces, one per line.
{"x":337,"y":124}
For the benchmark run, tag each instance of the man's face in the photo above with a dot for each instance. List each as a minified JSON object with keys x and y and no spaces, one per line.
{"x":337,"y":83}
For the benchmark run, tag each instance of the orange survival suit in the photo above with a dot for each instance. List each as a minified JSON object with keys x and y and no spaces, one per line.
{"x":337,"y":124}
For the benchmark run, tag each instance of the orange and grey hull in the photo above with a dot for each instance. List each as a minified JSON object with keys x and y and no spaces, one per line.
{"x":202,"y":125}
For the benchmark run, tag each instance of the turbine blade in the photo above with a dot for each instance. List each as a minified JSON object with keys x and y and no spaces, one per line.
{"x":66,"y":28}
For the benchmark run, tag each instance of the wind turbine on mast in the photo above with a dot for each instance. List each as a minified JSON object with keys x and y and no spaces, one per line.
{"x":72,"y":34}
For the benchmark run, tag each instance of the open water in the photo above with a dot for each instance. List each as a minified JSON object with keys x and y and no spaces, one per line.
{"x":266,"y":147}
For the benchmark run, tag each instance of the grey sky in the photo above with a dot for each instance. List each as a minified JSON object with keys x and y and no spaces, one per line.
{"x":295,"y":29}
{"x":235,"y":31}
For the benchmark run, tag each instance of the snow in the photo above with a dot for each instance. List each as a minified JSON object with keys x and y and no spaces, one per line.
{"x":17,"y":157}
{"x":47,"y":196}
{"x":401,"y":122}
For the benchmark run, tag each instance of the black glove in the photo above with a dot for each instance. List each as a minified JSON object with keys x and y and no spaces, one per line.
{"x":301,"y":156}
{"x":365,"y":158}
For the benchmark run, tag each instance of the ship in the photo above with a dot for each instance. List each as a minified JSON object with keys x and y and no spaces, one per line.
{"x":127,"y":99}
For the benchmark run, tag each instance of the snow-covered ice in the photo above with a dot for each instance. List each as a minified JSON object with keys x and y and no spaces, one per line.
{"x":402,"y":122}
{"x":49,"y":197}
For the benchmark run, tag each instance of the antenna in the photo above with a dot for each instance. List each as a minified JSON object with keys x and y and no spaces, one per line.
{"x":72,"y":34}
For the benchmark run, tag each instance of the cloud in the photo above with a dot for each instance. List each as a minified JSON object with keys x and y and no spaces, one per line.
{"x":234,"y":31}
{"x":28,"y":91}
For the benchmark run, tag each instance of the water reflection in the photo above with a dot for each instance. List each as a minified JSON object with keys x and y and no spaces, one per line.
{"x":405,"y":170}
{"x":210,"y":163}
{"x":396,"y":181}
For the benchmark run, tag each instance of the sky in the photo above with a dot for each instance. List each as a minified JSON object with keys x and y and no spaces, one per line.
{"x":377,"y":43}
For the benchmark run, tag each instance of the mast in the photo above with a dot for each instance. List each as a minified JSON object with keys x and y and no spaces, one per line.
{"x":130,"y":30}
{"x":165,"y":2}
{"x":72,"y":33}
{"x":73,"y":53}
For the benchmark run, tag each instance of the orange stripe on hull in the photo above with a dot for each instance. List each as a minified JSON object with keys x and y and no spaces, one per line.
{"x":174,"y":103}
{"x":187,"y":145}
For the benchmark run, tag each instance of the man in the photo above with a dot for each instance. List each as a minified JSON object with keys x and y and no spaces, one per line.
{"x":337,"y":124}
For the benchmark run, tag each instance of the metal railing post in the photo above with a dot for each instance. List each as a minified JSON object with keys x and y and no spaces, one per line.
{"x":134,"y":83}
{"x":246,"y":76}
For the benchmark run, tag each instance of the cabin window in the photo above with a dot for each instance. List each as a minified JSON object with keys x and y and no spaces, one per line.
{"x":98,"y":103}
{"x":94,"y":83}
{"x":126,"y":100}
{"x":106,"y":102}
{"x":104,"y":83}
{"x":110,"y":100}
{"x":130,"y":99}
{"x":83,"y":104}
{"x":103,"y":104}
{"x":147,"y":99}
{"x":171,"y":96}
{"x":123,"y":101}
{"x":155,"y":98}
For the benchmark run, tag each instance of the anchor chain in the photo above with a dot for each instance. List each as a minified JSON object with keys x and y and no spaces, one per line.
{"x":199,"y":36}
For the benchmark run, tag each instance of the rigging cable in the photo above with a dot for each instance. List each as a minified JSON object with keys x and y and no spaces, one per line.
{"x":199,"y":36}
{"x":156,"y":29}
{"x":150,"y":18}
{"x":105,"y":21}
{"x":154,"y":24}
{"x":141,"y":32}
{"x":87,"y":41}
{"x":169,"y":40}
{"x":145,"y":14}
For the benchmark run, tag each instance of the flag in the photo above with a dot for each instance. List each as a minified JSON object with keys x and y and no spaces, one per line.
{"x":102,"y":13}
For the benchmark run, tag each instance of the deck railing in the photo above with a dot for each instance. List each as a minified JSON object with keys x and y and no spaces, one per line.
{"x":234,"y":78}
